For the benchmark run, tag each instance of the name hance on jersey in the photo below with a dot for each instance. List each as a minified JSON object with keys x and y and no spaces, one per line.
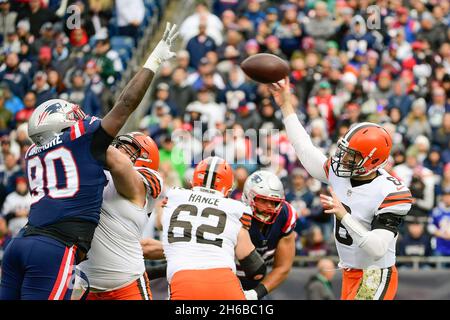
{"x":201,"y":199}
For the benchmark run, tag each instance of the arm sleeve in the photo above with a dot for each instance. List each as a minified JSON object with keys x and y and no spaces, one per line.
{"x":152,"y":181}
{"x":312,"y":158}
{"x":100,"y":143}
{"x":375,"y":242}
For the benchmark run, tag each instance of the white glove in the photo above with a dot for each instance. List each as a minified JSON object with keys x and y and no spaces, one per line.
{"x":251,"y":295}
{"x":162,"y":50}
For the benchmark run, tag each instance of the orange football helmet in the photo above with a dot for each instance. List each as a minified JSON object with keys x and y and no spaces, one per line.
{"x":214,"y":173}
{"x":141,"y":149}
{"x":362,"y":150}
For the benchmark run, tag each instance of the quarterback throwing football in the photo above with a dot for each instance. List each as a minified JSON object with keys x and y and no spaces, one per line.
{"x":368,"y":203}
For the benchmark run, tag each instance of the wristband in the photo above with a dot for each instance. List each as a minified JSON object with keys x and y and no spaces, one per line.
{"x":261,"y":290}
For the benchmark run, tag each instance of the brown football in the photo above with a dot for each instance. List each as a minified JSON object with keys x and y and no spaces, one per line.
{"x":265,"y":68}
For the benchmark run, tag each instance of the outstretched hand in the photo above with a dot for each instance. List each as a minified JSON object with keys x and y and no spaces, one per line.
{"x":333,"y":205}
{"x":163,"y":50}
{"x":281,"y":91}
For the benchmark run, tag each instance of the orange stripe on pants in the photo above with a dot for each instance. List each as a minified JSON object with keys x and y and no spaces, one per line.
{"x":208,"y":284}
{"x":351,"y":281}
{"x":137,"y":290}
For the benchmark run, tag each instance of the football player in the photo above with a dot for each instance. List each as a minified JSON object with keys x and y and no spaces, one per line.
{"x":368,"y":204}
{"x":65,"y":175}
{"x":271,"y":231}
{"x":115,"y":266}
{"x":203,"y":231}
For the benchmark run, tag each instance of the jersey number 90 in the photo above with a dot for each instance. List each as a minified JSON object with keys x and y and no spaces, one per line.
{"x":43,"y":177}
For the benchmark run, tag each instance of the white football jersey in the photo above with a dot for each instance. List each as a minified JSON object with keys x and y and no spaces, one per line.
{"x":384,"y":194}
{"x":115,"y":258}
{"x":200,"y":229}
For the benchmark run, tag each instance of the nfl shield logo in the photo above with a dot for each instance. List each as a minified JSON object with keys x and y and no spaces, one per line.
{"x":349,"y":193}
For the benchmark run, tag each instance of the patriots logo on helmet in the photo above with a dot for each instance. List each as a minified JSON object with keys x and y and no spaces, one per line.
{"x":256,"y":179}
{"x":53,"y":108}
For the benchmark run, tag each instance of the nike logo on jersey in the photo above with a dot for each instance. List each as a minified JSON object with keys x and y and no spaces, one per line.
{"x":399,"y":188}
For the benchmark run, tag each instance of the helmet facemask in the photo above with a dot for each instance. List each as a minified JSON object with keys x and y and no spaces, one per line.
{"x":130,"y":145}
{"x":348,"y":162}
{"x":266,"y":209}
{"x":76,"y":114}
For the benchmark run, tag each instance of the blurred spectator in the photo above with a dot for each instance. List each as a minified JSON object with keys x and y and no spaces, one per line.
{"x":163,"y":97}
{"x":205,"y":68}
{"x":79,"y":39}
{"x":17,"y":206}
{"x":9,"y":171}
{"x":18,"y":82}
{"x":246,"y":115}
{"x":47,"y":37}
{"x":29,"y":102}
{"x":438,"y":108}
{"x":441,"y":136}
{"x":41,"y":88}
{"x":288,"y":31}
{"x":37,"y":15}
{"x":130,"y":14}
{"x":7,"y":19}
{"x":211,"y":112}
{"x":254,"y":13}
{"x":416,"y":242}
{"x":299,"y":195}
{"x":183,"y":59}
{"x":399,"y":98}
{"x":6,"y":116}
{"x":270,"y":120}
{"x":233,"y":46}
{"x":319,"y":285}
{"x":199,"y":45}
{"x":100,"y":12}
{"x":315,"y":245}
{"x":325,"y":101}
{"x":420,"y":181}
{"x":179,"y":91}
{"x":240,"y":175}
{"x":440,"y":225}
{"x":444,"y":185}
{"x":80,"y":94}
{"x":190,"y":25}
{"x":5,"y":236}
{"x":12,"y":102}
{"x":172,"y":157}
{"x":103,"y":51}
{"x":272,"y":45}
{"x":416,"y":122}
{"x":430,"y":32}
{"x":320,"y":27}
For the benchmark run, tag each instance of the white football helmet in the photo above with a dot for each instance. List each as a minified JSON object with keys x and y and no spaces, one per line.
{"x":52,"y":117}
{"x":264,"y":185}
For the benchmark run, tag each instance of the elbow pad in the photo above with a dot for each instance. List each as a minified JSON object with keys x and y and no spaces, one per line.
{"x":253,"y":265}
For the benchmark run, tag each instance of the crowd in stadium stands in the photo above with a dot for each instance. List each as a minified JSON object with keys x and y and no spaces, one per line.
{"x":391,"y":66}
{"x":70,"y":49}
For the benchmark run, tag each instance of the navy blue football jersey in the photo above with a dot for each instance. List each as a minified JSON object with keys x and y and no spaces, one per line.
{"x":65,"y":180}
{"x":266,"y":240}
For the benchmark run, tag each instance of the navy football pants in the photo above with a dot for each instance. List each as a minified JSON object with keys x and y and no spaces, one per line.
{"x":37,"y":268}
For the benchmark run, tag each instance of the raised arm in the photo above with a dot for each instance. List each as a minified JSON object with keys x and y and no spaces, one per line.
{"x":126,"y":179}
{"x":311,"y":157}
{"x":134,"y":91}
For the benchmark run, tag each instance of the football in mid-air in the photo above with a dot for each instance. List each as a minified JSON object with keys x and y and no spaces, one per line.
{"x":265,"y":68}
